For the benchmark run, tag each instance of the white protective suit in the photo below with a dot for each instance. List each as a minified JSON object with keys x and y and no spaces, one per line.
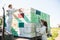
{"x":9,"y":20}
{"x":43,"y":33}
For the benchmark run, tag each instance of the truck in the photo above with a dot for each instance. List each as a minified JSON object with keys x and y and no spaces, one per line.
{"x":28,"y":23}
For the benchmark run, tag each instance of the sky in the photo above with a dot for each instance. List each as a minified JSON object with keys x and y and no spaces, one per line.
{"x":51,"y":7}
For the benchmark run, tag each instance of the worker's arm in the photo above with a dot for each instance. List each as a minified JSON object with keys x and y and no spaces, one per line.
{"x":42,"y":30}
{"x":15,"y":10}
{"x":15,"y":16}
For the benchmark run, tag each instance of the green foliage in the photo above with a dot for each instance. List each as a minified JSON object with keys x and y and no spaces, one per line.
{"x":50,"y":38}
{"x":54,"y":32}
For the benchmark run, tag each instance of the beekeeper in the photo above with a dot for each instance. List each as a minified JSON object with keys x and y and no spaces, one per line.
{"x":10,"y":15}
{"x":43,"y":31}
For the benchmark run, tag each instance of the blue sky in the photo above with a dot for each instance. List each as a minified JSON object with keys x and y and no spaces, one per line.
{"x":51,"y":7}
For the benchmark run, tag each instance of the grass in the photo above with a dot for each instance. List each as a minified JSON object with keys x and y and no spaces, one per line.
{"x":54,"y":32}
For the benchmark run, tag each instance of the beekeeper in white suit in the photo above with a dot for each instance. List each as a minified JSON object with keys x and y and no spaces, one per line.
{"x":10,"y":15}
{"x":43,"y":31}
